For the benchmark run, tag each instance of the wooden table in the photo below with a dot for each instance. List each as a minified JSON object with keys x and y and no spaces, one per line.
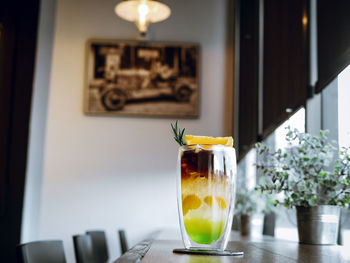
{"x":158,"y":249}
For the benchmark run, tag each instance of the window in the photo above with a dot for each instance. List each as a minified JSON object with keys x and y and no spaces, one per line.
{"x":333,"y":110}
{"x":247,"y":177}
{"x":286,"y":222}
{"x":344,"y":133}
{"x":344,"y":107}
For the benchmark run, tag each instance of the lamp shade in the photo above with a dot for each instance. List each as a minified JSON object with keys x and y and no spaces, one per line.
{"x":142,"y":12}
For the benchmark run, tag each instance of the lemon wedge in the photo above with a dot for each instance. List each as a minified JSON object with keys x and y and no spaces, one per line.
{"x":191,"y":139}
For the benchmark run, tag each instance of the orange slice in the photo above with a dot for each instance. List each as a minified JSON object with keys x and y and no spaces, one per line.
{"x":208,"y":200}
{"x":219,"y":200}
{"x":192,"y":139}
{"x":191,"y":202}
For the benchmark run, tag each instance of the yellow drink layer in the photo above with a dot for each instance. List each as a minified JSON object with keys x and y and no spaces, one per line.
{"x":204,"y":208}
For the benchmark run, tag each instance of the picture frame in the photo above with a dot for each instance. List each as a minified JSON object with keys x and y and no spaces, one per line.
{"x":146,"y":79}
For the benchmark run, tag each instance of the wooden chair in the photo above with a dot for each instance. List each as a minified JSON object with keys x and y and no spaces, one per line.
{"x":83,"y":249}
{"x":48,"y":251}
{"x":123,"y":241}
{"x":99,"y":243}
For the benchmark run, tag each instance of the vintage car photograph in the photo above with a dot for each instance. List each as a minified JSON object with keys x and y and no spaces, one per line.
{"x":142,"y":79}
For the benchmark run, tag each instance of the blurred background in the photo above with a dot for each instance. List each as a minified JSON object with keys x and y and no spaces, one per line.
{"x":263,"y":65}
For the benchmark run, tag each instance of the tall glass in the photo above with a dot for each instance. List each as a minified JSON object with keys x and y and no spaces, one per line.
{"x":206,"y":191}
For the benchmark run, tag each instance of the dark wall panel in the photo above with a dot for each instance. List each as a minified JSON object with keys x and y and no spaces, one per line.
{"x":248,"y":78}
{"x":18,"y":20}
{"x":333,"y":26}
{"x":284,"y":66}
{"x":285,"y":61}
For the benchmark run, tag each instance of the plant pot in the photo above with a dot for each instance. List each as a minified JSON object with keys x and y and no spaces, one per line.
{"x":251,"y":224}
{"x":245,"y":225}
{"x":269,"y":224}
{"x":318,"y":225}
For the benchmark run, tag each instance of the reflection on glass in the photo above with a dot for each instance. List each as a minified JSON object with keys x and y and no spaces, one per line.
{"x":205,"y":259}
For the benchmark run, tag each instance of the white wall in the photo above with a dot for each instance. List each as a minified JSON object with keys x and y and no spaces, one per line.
{"x":113,"y":172}
{"x":34,"y":176}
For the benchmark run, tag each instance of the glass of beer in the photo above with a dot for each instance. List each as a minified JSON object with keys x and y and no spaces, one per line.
{"x":206,"y":190}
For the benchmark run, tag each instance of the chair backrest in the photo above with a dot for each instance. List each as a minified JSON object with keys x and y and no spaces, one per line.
{"x":99,"y":243}
{"x":47,"y":251}
{"x":123,"y":241}
{"x":83,"y":249}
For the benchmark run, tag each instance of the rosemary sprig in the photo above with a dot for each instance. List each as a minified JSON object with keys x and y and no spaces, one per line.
{"x":178,"y":134}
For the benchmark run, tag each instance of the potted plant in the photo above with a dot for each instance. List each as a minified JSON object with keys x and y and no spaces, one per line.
{"x":314,"y":177}
{"x":250,"y":203}
{"x":245,"y":207}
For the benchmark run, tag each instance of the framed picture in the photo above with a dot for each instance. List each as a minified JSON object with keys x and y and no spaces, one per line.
{"x":142,"y":78}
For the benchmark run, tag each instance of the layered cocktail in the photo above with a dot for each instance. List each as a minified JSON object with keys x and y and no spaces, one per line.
{"x":205,"y":194}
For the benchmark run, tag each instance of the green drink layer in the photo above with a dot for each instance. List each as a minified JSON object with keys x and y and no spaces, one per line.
{"x":203,"y":231}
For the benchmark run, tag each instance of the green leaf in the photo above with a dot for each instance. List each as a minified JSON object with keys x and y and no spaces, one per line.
{"x":322,"y":174}
{"x":178,"y":134}
{"x":301,"y":188}
{"x":313,"y":200}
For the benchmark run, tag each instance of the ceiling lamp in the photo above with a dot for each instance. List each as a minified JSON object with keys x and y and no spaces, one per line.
{"x":142,"y":12}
